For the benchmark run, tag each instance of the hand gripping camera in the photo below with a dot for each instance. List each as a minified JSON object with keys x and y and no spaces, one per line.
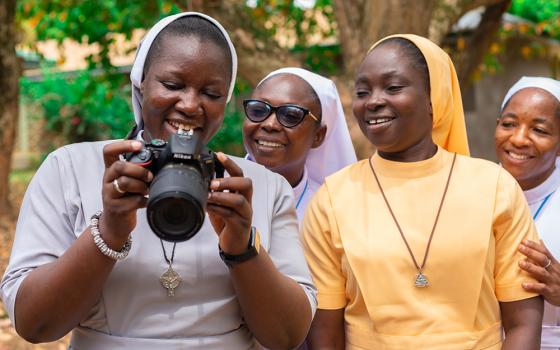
{"x":183,"y":168}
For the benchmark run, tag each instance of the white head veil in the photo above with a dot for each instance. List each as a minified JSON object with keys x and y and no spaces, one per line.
{"x":144,"y":46}
{"x":548,"y":84}
{"x":337,"y":150}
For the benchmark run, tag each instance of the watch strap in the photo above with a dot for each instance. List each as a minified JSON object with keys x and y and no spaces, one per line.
{"x":251,"y":252}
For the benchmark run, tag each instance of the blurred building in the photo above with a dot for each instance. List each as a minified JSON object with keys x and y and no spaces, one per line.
{"x":524,"y":55}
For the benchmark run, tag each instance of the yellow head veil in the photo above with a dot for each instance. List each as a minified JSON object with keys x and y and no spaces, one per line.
{"x":448,"y":127}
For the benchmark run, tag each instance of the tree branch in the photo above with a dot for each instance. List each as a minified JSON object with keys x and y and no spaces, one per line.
{"x":476,"y":46}
{"x":256,"y":57}
{"x":448,"y":12}
{"x":468,"y":5}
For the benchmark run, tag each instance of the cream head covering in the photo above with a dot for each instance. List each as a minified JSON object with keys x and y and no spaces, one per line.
{"x":337,"y":150}
{"x":448,"y":128}
{"x":144,"y":46}
{"x":547,"y":84}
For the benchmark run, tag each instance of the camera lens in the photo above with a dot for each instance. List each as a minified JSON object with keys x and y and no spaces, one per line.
{"x":178,"y":197}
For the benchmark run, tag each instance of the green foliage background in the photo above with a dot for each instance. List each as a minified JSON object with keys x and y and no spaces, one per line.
{"x":537,"y":11}
{"x":95,"y":104}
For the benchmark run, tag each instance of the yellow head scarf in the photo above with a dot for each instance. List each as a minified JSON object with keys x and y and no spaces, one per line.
{"x":448,"y":127}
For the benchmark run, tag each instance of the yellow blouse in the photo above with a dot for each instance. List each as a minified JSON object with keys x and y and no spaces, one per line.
{"x":359,"y":261}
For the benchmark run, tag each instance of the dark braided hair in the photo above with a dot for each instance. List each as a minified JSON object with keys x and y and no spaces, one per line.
{"x":415,"y":55}
{"x":189,"y":26}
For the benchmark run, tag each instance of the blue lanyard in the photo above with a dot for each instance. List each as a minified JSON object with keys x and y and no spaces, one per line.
{"x":301,"y":196}
{"x":542,"y":205}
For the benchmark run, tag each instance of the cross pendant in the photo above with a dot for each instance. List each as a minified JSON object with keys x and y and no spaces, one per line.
{"x":170,"y":280}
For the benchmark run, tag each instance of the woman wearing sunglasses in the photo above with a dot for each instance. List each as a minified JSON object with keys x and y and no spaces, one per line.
{"x":295,"y":126}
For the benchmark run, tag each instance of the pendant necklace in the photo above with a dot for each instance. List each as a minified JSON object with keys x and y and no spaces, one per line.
{"x":421,"y":280}
{"x":170,"y":279}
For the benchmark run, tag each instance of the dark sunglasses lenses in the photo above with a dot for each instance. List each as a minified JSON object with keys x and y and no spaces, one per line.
{"x":257,"y":111}
{"x":288,"y":116}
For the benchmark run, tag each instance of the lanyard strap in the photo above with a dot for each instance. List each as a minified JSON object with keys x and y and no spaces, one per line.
{"x":302,"y":193}
{"x":542,"y":205}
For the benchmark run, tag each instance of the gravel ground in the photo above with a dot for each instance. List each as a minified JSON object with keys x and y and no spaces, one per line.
{"x":9,"y":340}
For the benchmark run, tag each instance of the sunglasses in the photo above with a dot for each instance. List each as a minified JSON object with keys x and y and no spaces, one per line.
{"x":287,"y":115}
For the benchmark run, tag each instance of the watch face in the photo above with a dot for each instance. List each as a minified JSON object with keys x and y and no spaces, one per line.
{"x":257,"y":239}
{"x":252,"y":250}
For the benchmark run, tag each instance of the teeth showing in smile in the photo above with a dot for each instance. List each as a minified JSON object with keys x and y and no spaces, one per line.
{"x":379,"y":121}
{"x":178,"y":125}
{"x":518,"y":156}
{"x":270,"y":144}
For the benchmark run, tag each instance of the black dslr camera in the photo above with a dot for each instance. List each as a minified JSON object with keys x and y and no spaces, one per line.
{"x":183,"y":168}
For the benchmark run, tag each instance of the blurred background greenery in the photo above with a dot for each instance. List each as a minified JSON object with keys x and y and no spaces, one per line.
{"x":94,"y":103}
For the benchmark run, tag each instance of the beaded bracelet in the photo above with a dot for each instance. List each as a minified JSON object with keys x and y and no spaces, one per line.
{"x":100,"y":243}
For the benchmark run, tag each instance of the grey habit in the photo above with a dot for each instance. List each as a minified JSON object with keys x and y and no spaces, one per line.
{"x":134,"y":311}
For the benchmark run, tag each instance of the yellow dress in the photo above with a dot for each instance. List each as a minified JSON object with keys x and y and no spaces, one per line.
{"x":359,"y":261}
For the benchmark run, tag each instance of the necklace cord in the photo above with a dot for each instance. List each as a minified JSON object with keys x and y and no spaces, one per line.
{"x":542,"y":205}
{"x":169,"y":261}
{"x":302,"y":194}
{"x":419,"y":268}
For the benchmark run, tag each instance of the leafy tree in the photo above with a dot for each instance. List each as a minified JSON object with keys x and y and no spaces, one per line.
{"x":83,"y":108}
{"x":540,"y":21}
{"x":91,"y":22}
{"x":537,"y":11}
{"x":261,"y":27}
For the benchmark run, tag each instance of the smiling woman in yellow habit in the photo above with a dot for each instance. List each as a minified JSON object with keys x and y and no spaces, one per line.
{"x":416,"y":247}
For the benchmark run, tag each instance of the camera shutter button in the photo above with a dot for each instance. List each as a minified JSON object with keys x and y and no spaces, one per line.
{"x":144,"y":155}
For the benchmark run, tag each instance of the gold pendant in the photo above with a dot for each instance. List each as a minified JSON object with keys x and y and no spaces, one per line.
{"x":170,"y":280}
{"x":421,"y":280}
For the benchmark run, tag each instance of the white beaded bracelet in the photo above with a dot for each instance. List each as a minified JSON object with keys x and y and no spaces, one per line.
{"x":100,"y":243}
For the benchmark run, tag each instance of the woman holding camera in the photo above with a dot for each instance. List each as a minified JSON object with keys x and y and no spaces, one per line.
{"x":295,"y":126}
{"x":416,"y":247}
{"x":241,"y":279}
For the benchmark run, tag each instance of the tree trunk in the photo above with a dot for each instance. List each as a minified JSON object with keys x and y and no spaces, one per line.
{"x":9,"y":87}
{"x":256,"y":57}
{"x":359,"y":24}
{"x":447,"y":12}
{"x":478,"y":43}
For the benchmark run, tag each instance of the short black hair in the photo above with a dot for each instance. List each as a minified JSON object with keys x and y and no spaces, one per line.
{"x":189,"y":26}
{"x":415,"y":55}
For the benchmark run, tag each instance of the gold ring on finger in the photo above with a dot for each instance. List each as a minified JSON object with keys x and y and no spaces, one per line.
{"x":548,"y":262}
{"x":117,"y":188}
